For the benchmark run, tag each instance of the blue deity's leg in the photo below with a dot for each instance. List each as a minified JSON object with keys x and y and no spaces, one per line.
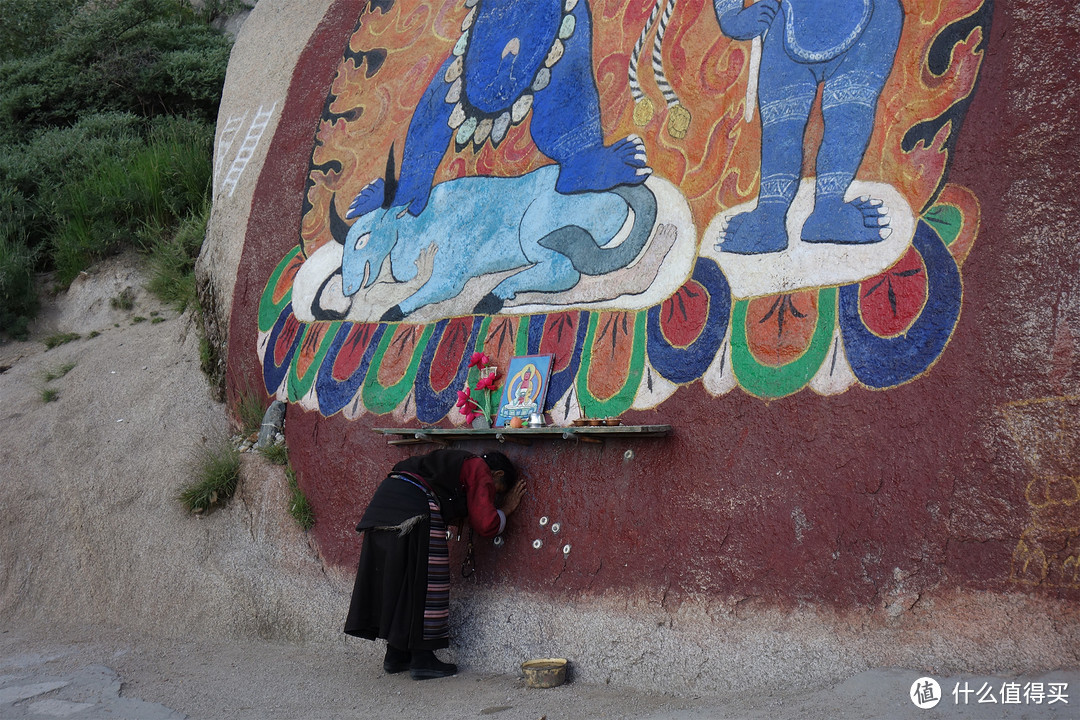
{"x":850,"y":94}
{"x":566,"y":122}
{"x":425,"y":145}
{"x":786,"y":93}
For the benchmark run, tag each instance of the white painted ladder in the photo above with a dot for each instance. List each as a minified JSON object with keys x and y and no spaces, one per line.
{"x":247,"y":148}
{"x":228,"y":134}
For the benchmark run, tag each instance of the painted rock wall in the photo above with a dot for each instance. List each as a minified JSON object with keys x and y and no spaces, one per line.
{"x":824,"y":240}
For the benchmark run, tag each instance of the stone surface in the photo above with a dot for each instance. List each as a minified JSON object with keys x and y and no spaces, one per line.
{"x":107,"y":674}
{"x":268,"y":41}
{"x":809,"y":537}
{"x":272,"y":423}
{"x":767,"y":548}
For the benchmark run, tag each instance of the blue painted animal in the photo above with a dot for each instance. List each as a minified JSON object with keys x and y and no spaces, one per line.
{"x":484,"y":225}
{"x":513,"y":57}
{"x":847,"y":47}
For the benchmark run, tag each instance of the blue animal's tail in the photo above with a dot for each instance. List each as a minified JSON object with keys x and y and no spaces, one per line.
{"x":587,"y":256}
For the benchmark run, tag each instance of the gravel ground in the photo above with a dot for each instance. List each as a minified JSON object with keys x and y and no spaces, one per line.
{"x":107,"y":673}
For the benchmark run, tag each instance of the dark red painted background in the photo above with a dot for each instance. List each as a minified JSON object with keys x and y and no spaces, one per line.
{"x":807,"y":498}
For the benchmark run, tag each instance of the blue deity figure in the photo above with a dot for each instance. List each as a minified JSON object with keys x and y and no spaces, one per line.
{"x":847,"y":47}
{"x":514,"y":57}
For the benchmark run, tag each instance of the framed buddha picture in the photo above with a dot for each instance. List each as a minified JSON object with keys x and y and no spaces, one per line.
{"x":525,"y":389}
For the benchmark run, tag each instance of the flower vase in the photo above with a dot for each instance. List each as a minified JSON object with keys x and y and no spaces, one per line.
{"x":481,"y":422}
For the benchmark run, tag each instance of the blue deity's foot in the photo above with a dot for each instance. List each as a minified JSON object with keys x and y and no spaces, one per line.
{"x":370,"y":198}
{"x":859,"y":222}
{"x":602,"y":168}
{"x":762,"y":230}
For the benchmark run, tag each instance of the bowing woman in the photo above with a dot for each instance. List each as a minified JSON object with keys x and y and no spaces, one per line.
{"x":402,"y":590}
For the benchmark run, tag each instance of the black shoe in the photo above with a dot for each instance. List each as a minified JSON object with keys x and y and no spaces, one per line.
{"x":425,"y":666}
{"x":396,"y":660}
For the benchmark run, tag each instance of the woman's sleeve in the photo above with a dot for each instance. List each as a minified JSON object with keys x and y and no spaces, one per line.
{"x":486,"y":520}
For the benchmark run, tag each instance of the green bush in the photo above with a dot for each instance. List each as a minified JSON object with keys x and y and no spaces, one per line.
{"x":55,"y":341}
{"x":133,"y":200}
{"x":147,"y":57}
{"x":23,"y":24}
{"x":59,"y":372}
{"x":276,"y":454}
{"x":106,"y":136}
{"x":18,"y":299}
{"x":172,"y":262}
{"x":250,"y":410}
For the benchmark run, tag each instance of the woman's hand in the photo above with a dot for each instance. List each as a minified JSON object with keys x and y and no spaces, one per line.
{"x":513,"y":497}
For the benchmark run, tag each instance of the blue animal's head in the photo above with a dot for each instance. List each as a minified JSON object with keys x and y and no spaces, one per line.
{"x":367,"y":244}
{"x":369,"y":240}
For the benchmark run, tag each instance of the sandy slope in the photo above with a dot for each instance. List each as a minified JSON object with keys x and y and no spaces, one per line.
{"x":89,"y":525}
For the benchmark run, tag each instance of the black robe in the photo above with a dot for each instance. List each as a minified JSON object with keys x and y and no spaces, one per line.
{"x":392,"y":584}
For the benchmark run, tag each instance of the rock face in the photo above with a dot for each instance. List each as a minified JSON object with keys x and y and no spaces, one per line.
{"x":862,"y":461}
{"x":257,"y":81}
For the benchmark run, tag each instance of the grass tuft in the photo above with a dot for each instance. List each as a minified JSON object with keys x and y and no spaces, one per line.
{"x":250,"y":411}
{"x":124,"y":301}
{"x":277,"y":454}
{"x":60,"y":339}
{"x":49,"y":394}
{"x":299,"y":506}
{"x":217,"y":474}
{"x":172,"y":260}
{"x":59,"y":372}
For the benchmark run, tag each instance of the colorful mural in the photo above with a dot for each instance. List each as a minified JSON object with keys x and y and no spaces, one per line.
{"x":786,"y":223}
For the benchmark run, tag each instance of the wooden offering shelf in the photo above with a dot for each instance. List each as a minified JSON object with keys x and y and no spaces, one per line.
{"x":525,"y":436}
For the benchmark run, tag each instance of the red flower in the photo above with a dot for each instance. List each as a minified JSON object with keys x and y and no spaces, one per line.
{"x":479,"y":359}
{"x":487,"y":382}
{"x":464,"y":399}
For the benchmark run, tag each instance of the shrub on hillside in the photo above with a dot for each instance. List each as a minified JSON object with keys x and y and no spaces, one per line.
{"x":18,"y":300}
{"x":133,"y":199}
{"x":52,"y":157}
{"x":106,"y":133}
{"x":146,"y":57}
{"x":24,"y":25}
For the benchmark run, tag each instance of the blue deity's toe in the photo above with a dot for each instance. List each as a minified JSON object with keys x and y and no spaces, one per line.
{"x":759,"y":231}
{"x":370,"y":198}
{"x":862,"y":221}
{"x":602,"y":168}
